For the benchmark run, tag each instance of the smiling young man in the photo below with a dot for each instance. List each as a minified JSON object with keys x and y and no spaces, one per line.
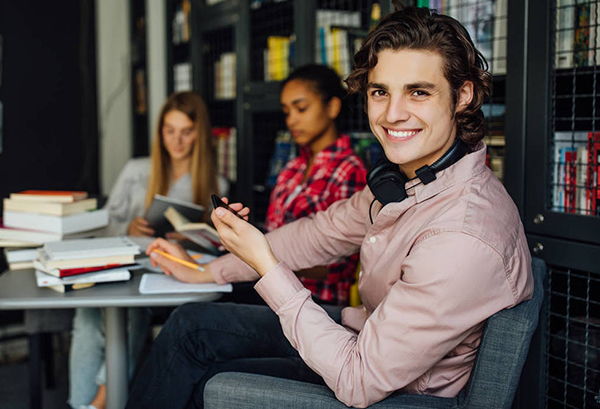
{"x":436,"y":263}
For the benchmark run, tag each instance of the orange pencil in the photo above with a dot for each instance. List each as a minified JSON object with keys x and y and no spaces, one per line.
{"x":180,"y":261}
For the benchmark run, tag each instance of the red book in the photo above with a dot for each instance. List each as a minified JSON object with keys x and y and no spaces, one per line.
{"x":593,"y":190}
{"x":61,"y":196}
{"x":66,"y":272}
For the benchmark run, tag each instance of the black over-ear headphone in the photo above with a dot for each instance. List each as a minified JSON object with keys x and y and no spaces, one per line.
{"x":387,"y":182}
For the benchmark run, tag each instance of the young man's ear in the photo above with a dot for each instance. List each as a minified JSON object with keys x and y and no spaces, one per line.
{"x":465,"y":96}
{"x":334,"y":106}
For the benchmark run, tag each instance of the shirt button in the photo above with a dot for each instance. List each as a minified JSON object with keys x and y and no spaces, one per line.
{"x":372,"y":239}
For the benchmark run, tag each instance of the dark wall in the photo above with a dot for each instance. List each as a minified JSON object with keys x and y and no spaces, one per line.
{"x":48,"y":92}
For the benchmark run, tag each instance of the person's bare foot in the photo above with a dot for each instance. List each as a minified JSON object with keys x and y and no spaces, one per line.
{"x":99,"y":401}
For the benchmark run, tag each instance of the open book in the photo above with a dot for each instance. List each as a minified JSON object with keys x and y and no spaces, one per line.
{"x":200,"y":233}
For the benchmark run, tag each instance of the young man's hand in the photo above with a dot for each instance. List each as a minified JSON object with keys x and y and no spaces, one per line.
{"x":243,"y":239}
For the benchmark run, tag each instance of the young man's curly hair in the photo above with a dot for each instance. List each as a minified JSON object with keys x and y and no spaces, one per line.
{"x":423,"y":29}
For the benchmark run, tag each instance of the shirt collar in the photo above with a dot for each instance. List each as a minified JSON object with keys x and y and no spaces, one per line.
{"x":466,"y":168}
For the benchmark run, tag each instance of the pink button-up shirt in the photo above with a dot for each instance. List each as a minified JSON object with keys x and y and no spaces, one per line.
{"x":434,"y":267}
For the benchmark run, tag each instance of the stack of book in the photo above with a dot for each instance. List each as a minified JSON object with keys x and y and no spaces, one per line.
{"x":73,"y":264}
{"x":34,"y":217}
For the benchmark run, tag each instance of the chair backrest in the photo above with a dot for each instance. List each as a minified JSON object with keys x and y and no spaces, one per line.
{"x":503,"y":351}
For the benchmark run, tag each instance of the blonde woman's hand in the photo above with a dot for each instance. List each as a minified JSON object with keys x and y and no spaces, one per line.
{"x":242,"y":239}
{"x":140,"y":227}
{"x":170,"y":267}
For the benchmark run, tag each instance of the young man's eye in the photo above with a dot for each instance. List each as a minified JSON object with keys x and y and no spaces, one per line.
{"x":302,"y":109}
{"x":420,"y":93}
{"x":378,"y":93}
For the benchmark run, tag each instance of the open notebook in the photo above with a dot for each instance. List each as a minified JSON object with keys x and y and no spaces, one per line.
{"x":161,"y":284}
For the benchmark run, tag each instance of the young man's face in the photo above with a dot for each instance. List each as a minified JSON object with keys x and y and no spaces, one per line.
{"x":410,"y":107}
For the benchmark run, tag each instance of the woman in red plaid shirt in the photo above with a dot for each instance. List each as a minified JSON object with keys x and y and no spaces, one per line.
{"x":325,"y":171}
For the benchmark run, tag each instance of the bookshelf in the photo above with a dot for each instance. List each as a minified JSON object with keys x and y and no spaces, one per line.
{"x":179,"y":45}
{"x":139,"y":78}
{"x":218,"y":33}
{"x":562,"y":224}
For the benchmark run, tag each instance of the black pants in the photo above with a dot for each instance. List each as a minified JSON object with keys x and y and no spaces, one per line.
{"x":202,"y":339}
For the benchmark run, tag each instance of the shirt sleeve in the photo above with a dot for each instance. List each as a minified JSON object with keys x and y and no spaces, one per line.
{"x":449,"y":284}
{"x":317,"y":240}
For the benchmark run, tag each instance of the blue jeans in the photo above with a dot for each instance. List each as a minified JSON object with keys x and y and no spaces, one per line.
{"x":87,"y":368}
{"x":202,"y":339}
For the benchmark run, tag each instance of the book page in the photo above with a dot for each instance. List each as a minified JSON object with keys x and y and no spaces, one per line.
{"x":162,"y":284}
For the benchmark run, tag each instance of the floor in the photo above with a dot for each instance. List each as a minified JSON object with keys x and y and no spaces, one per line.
{"x":14,"y":382}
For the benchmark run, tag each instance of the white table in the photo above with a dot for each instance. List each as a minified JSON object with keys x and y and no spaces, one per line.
{"x":18,"y":291}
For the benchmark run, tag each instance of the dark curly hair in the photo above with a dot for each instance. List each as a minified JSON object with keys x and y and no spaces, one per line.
{"x":424,"y":29}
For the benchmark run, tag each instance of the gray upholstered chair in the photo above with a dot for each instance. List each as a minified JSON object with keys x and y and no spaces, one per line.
{"x":494,"y":380}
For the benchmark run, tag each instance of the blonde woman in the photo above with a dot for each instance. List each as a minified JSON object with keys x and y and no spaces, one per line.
{"x":182,"y":166}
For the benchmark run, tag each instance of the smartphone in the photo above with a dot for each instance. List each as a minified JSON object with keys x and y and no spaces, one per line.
{"x":217,"y":202}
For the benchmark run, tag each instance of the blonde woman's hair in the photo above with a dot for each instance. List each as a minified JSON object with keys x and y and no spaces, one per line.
{"x":203,"y":169}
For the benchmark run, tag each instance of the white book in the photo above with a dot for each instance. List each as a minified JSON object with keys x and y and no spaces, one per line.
{"x":86,"y":248}
{"x":19,"y":255}
{"x":565,"y":33}
{"x":55,"y":224}
{"x":500,"y":38}
{"x":161,"y":284}
{"x":104,"y":276}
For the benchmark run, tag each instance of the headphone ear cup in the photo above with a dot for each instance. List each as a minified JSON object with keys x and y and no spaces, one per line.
{"x":386,"y":182}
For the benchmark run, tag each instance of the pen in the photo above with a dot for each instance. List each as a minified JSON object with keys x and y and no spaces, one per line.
{"x":180,"y":261}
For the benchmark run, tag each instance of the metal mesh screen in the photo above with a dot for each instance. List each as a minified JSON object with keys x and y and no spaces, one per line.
{"x":573,"y":334}
{"x":219,"y":82}
{"x":341,"y":26}
{"x":574,"y":150}
{"x":486,"y":21}
{"x":271,"y":40}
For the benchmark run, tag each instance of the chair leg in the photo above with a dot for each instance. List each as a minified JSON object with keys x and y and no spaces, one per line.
{"x":48,"y":358}
{"x":35,"y":370}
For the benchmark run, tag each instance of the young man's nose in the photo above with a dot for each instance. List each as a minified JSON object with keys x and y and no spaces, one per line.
{"x":397,"y":110}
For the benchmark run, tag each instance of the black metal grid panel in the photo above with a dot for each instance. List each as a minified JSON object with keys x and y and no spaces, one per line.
{"x":341,"y":25}
{"x":573,"y":334}
{"x":271,"y":39}
{"x":265,"y":127}
{"x":574,"y":150}
{"x":486,"y":21}
{"x":218,"y":84}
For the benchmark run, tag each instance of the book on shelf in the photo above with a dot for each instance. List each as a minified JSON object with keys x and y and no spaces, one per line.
{"x":51,"y":208}
{"x":96,"y":247}
{"x":225,"y":68}
{"x":593,"y":174}
{"x":226,"y":152}
{"x":182,"y":77}
{"x":61,"y":196}
{"x":499,"y":47}
{"x":575,"y":173}
{"x":277,"y":64}
{"x":74,"y":223}
{"x":99,"y":261}
{"x":582,"y":33}
{"x":81,"y":281}
{"x":15,"y":243}
{"x":285,"y":150}
{"x":200,"y":233}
